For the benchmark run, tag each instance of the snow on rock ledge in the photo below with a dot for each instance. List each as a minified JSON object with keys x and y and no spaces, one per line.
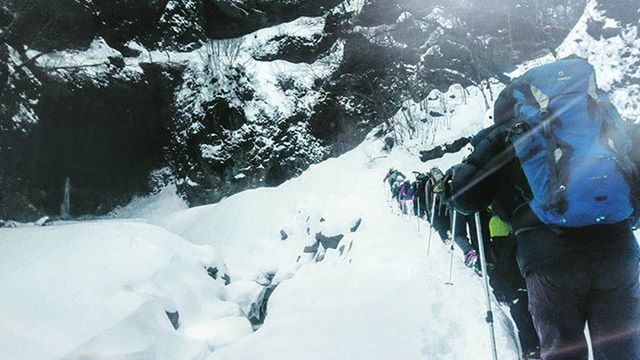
{"x":103,"y":290}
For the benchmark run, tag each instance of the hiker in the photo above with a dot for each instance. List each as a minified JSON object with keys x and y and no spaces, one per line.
{"x":396,"y":185}
{"x":420,"y":195}
{"x":388,"y":175}
{"x":509,"y":286}
{"x":435,"y":195}
{"x":405,"y":196}
{"x":556,"y":167}
{"x":392,"y":175}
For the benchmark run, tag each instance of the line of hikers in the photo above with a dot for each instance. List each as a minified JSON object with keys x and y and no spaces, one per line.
{"x":426,"y":197}
{"x":556,"y":180}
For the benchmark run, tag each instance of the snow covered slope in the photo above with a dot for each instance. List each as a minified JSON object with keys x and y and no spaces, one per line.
{"x":103,"y":290}
{"x":380,"y":297}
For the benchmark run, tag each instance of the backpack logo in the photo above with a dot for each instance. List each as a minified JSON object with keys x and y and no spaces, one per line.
{"x":562,"y":76}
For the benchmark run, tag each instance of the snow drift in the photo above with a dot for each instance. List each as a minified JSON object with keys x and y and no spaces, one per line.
{"x":103,"y":290}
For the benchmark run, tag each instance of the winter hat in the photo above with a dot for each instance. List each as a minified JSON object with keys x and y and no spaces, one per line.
{"x":503,"y":107}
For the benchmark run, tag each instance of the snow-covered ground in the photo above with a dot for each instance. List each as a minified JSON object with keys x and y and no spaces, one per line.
{"x":101,"y":289}
{"x":382,"y":299}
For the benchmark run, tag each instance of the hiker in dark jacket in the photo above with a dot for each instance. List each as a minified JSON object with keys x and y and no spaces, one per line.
{"x":509,"y":286}
{"x":437,"y":209}
{"x":419,"y":195}
{"x":573,"y":275}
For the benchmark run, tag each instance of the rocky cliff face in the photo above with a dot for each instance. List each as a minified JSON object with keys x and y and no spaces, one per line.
{"x":221,"y":96}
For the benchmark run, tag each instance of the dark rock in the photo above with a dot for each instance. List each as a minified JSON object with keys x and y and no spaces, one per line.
{"x":293,"y":48}
{"x":609,"y":32}
{"x":116,"y":61}
{"x":213,"y":272}
{"x":356,"y":225}
{"x":341,"y":249}
{"x":283,"y":235}
{"x":434,"y":113}
{"x":322,"y":219}
{"x":119,"y":131}
{"x":439,"y":151}
{"x":594,"y":28}
{"x":129,"y":52}
{"x":174,"y":318}
{"x":8,"y":224}
{"x":226,"y":278}
{"x":258,"y":312}
{"x":627,"y":12}
{"x":311,"y":249}
{"x":329,"y":242}
{"x":379,"y":133}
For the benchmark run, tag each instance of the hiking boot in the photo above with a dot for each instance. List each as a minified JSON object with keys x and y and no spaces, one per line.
{"x":470,"y":259}
{"x":477,"y":269}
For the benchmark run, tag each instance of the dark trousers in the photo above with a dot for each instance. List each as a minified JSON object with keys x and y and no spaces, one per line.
{"x":509,"y":286}
{"x":519,"y":310}
{"x":599,"y":289}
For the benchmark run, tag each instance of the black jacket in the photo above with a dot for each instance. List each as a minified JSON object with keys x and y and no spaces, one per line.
{"x":492,"y":175}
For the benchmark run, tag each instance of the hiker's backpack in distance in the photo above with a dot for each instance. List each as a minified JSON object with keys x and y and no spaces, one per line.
{"x":572,"y":146}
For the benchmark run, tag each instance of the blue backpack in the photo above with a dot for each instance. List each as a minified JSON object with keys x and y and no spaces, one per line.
{"x":572,"y":146}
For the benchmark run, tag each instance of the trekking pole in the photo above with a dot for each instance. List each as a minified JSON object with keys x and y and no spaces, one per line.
{"x":483,"y":266}
{"x":433,"y":212}
{"x":419,"y":215}
{"x":453,"y":238}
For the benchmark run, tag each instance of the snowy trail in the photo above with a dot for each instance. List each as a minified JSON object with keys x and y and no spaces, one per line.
{"x":382,"y":300}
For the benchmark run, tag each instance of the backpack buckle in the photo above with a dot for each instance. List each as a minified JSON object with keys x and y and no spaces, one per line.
{"x":517,"y":129}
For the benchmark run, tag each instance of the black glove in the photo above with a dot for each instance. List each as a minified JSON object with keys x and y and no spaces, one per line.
{"x":489,"y":145}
